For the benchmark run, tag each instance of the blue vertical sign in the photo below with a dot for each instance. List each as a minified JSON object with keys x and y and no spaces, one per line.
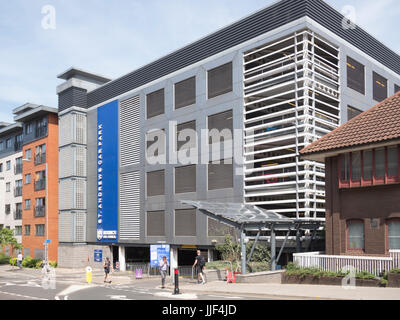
{"x":157,"y":252}
{"x":98,"y":255}
{"x":107,"y":172}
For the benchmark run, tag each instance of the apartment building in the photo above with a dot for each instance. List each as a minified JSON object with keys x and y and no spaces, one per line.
{"x":280,"y":79}
{"x":11,"y":179}
{"x":39,"y":177}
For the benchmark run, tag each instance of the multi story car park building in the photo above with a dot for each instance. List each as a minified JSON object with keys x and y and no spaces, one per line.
{"x":283,"y":76}
{"x":11,"y":179}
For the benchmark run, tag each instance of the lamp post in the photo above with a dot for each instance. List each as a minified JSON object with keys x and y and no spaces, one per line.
{"x":46,"y":244}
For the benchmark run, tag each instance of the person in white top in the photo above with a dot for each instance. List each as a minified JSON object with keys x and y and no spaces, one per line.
{"x":163,"y":271}
{"x":19,"y":260}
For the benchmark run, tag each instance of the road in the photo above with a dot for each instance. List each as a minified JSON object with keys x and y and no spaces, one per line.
{"x":18,"y":285}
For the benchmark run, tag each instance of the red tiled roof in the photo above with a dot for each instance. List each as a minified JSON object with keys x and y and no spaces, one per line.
{"x":380,"y":123}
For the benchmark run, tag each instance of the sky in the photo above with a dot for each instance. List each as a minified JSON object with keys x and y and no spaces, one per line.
{"x":112,"y":38}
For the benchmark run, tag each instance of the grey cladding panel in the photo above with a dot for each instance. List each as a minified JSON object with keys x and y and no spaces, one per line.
{"x":185,"y":222}
{"x":155,"y":103}
{"x":155,"y":223}
{"x":220,"y":176}
{"x":155,"y":183}
{"x":270,"y":18}
{"x":220,"y":80}
{"x":72,"y":97}
{"x":185,"y":93}
{"x":185,"y":179}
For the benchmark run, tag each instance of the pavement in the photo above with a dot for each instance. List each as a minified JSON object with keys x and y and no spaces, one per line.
{"x":189,"y":288}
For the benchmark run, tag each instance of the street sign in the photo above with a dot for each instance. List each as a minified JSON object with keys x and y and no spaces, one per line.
{"x":48,"y":241}
{"x":157,"y":252}
{"x":98,"y":255}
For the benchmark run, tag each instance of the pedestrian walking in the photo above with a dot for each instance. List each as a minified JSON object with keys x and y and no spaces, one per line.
{"x":163,"y":271}
{"x":107,"y":269}
{"x":19,"y":260}
{"x":199,"y":264}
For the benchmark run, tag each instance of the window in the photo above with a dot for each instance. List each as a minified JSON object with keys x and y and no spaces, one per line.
{"x":380,"y":163}
{"x":39,"y":230}
{"x":29,"y":128}
{"x":40,"y":154}
{"x":18,"y":188}
{"x":345,"y":167}
{"x":8,"y":143}
{"x":8,"y":165}
{"x":28,"y":154}
{"x":356,"y":166}
{"x":41,"y":127}
{"x":27,"y":230}
{"x":220,"y":176}
{"x":155,"y":183}
{"x":185,"y":93}
{"x":8,"y":187}
{"x":352,"y":112}
{"x":396,"y":88}
{"x":393,"y":161}
{"x":155,"y":103}
{"x":155,"y":223}
{"x":220,"y":122}
{"x":220,"y":80}
{"x":18,"y":142}
{"x":367,"y":168}
{"x":185,"y":222}
{"x":8,"y":208}
{"x":18,"y":230}
{"x":27,"y":204}
{"x":40,"y":180}
{"x":185,"y":179}
{"x":189,"y":140}
{"x":355,"y":75}
{"x":1,"y":167}
{"x":356,"y":234}
{"x":394,"y":235}
{"x":379,"y":87}
{"x":2,"y":145}
{"x":28,"y":178}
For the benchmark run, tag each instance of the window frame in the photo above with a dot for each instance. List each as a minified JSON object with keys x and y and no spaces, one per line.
{"x":347,"y":74}
{"x":376,"y":75}
{"x":348,"y":222}
{"x":374,"y":181}
{"x":387,"y":231}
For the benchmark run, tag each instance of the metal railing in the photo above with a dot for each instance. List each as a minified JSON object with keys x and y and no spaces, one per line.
{"x":18,"y":214}
{"x":40,"y":211}
{"x":17,"y":191}
{"x":40,"y":184}
{"x":18,"y":168}
{"x":374,"y":265}
{"x":40,"y":158}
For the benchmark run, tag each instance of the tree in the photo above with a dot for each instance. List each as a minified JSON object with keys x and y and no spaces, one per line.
{"x":7,"y":239}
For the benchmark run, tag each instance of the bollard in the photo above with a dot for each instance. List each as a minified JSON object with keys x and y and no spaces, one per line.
{"x":139,"y":274}
{"x":89,"y":275}
{"x":176,"y":289}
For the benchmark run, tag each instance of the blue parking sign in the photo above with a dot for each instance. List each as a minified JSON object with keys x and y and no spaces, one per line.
{"x":157,"y":252}
{"x":98,"y":255}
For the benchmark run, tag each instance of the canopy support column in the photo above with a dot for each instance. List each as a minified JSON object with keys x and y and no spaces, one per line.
{"x":254,"y":246}
{"x":273,"y":248}
{"x":243,"y":247}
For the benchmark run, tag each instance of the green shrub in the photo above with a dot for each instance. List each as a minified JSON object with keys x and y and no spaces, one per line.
{"x":53,"y":264}
{"x":4,"y":259}
{"x":365,"y":275}
{"x":13,"y":261}
{"x":396,"y":271}
{"x":29,"y":262}
{"x":39,"y":264}
{"x":384,"y":283}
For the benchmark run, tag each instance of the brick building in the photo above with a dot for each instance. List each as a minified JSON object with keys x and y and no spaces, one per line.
{"x":40,"y":149}
{"x":362,"y":160}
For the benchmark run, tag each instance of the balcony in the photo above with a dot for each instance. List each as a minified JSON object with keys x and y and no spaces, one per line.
{"x":18,"y":146}
{"x":40,"y":211}
{"x":18,"y":168}
{"x":40,"y":158}
{"x":40,"y":132}
{"x":40,"y":184}
{"x":18,"y":214}
{"x":17,"y":191}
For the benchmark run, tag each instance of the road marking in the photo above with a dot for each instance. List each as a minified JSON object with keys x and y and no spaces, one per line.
{"x":185,"y":296}
{"x":214,"y":296}
{"x":74,"y":288}
{"x":22,"y":296}
{"x":118,"y":297}
{"x":58,"y":298}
